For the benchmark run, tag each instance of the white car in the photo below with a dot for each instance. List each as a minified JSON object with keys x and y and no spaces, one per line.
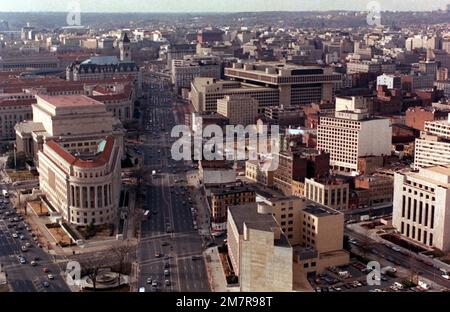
{"x":50,"y":276}
{"x":15,"y":235}
{"x":446,"y":276}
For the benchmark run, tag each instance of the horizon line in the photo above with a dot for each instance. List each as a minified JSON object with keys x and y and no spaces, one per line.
{"x":222,"y":12}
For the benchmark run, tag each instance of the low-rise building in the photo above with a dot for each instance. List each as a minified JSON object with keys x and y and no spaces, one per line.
{"x":254,"y":171}
{"x":223,"y":197}
{"x":379,"y":190}
{"x":330,"y":192}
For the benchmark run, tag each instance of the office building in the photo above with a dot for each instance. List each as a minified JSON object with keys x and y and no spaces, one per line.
{"x":76,"y":120}
{"x":223,"y":197}
{"x":254,"y":171}
{"x":390,"y":81}
{"x":351,"y":135}
{"x":421,"y":203}
{"x":14,"y":109}
{"x":107,"y":67}
{"x":297,"y":85}
{"x":433,"y":147}
{"x":78,"y":156}
{"x":260,"y":252}
{"x":210,"y":35}
{"x":265,"y":259}
{"x":330,"y":192}
{"x":240,"y":110}
{"x":179,"y":51}
{"x":206,"y":91}
{"x":190,"y":67}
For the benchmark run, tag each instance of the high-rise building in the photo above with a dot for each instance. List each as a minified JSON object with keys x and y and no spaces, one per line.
{"x":297,"y":85}
{"x":421,"y":206}
{"x":352,"y":134}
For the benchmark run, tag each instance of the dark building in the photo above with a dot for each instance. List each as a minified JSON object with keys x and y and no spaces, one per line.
{"x":210,"y":35}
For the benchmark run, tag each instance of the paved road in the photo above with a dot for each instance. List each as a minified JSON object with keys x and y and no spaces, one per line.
{"x":378,"y":250}
{"x":171,"y":221}
{"x":24,"y":277}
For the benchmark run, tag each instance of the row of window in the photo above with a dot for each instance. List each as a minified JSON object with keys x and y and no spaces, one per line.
{"x":410,"y":232}
{"x":410,"y":207}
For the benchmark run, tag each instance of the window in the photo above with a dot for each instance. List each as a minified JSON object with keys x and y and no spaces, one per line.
{"x":432,"y":218}
{"x":306,"y":265}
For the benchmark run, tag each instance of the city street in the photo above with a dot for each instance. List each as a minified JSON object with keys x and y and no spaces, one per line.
{"x":168,"y":239}
{"x":25,"y":277}
{"x":378,"y":250}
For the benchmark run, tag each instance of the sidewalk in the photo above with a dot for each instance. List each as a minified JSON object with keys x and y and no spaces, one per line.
{"x":214,"y":269}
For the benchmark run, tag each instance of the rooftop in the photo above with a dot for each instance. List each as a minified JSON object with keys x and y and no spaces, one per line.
{"x":248,"y":215}
{"x":69,"y":100}
{"x":102,"y":60}
{"x":319,"y":210}
{"x":103,"y":155}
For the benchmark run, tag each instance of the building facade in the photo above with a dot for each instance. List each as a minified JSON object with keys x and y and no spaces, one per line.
{"x":297,"y":85}
{"x":192,"y":66}
{"x":331,"y":192}
{"x":240,"y":110}
{"x":421,"y":203}
{"x":433,"y":147}
{"x":206,"y":91}
{"x":350,"y":135}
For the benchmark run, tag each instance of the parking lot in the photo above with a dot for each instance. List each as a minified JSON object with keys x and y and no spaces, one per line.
{"x":353,"y":278}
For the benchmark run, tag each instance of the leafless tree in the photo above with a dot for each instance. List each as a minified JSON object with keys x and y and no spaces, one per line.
{"x":122,"y":254}
{"x":91,"y":267}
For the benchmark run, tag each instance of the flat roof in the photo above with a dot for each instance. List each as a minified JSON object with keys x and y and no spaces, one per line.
{"x":442,"y":169}
{"x":319,"y":210}
{"x":69,"y":100}
{"x":248,"y":214}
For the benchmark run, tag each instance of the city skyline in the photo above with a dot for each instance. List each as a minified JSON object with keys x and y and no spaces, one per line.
{"x":202,"y":6}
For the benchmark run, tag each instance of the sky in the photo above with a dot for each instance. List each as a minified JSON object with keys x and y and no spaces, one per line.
{"x":214,"y":5}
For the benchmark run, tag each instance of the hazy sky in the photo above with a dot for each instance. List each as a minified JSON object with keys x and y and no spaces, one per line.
{"x":214,"y":5}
